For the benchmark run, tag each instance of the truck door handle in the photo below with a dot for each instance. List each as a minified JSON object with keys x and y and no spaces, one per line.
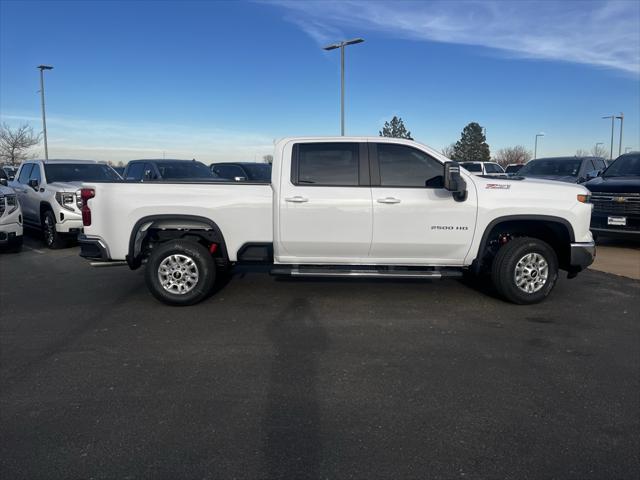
{"x":296,"y":199}
{"x":389,"y":200}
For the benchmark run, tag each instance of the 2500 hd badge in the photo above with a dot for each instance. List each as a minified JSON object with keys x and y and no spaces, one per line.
{"x":449,"y":227}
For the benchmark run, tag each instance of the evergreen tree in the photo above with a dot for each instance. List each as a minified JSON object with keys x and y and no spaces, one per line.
{"x":472,"y":145}
{"x":395,"y":129}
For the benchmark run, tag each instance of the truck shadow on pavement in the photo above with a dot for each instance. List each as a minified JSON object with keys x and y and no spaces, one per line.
{"x":292,"y":445}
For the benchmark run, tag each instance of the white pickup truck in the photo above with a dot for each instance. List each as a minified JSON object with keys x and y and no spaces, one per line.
{"x":344,"y":206}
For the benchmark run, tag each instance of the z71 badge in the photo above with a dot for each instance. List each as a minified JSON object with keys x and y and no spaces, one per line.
{"x":498,"y":186}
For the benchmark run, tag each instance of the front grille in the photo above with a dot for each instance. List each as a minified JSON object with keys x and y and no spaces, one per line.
{"x":616,"y":203}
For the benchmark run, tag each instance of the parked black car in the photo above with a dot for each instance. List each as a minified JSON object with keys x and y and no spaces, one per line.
{"x":564,"y":169}
{"x":155,"y":170}
{"x":616,"y":198}
{"x":243,"y":171}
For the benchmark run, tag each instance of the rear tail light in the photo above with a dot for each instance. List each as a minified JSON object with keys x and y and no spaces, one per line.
{"x":86,"y":194}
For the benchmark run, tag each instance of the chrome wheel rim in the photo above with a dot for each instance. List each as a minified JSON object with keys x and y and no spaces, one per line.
{"x":178,"y":274}
{"x":49,"y":230}
{"x":532,"y":272}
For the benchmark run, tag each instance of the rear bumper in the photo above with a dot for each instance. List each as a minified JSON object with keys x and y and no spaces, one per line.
{"x":582,"y":255}
{"x":93,"y":249}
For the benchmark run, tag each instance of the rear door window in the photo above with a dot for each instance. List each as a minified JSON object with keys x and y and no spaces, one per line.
{"x":326,"y":164}
{"x":493,"y":168}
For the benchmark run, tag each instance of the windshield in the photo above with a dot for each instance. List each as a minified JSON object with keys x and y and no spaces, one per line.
{"x":552,"y":166}
{"x":472,"y":167}
{"x":79,"y":172}
{"x":625,"y":166}
{"x":184,"y":169}
{"x":513,"y":168}
{"x":258,"y":172}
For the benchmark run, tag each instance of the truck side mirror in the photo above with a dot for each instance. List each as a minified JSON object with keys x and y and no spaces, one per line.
{"x":33,"y":183}
{"x":454,"y":182}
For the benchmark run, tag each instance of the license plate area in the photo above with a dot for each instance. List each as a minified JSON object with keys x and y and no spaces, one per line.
{"x":617,"y":221}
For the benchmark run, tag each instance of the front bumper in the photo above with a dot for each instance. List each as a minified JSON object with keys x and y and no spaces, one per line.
{"x":582,"y":255}
{"x":10,"y":233}
{"x":93,"y":249}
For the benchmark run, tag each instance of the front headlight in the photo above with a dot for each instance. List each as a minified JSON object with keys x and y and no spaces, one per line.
{"x":66,"y":200}
{"x":2,"y":205}
{"x":12,"y":203}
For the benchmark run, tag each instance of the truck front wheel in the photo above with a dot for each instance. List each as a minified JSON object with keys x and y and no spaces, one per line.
{"x":180,"y":272}
{"x":525,"y":270}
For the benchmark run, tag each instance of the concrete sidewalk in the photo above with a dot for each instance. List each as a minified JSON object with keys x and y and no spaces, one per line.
{"x":618,"y":257}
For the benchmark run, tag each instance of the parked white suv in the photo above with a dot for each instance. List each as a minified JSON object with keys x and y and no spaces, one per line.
{"x":484,"y":168}
{"x":10,"y":218}
{"x":48,"y":191}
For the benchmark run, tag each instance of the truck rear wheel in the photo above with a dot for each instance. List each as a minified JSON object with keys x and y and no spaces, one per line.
{"x":180,"y":272}
{"x":525,"y":270}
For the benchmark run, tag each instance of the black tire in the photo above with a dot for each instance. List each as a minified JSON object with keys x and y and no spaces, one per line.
{"x":52,"y":238}
{"x":181,"y":285}
{"x":508,"y":266}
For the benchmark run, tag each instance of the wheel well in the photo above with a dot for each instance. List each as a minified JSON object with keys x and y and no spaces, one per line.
{"x":554,"y":232}
{"x":151,"y":231}
{"x":44,"y":206}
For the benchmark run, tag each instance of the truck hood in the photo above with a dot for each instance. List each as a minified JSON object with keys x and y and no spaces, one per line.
{"x":66,"y":186}
{"x":6,"y":190}
{"x":614,"y":184}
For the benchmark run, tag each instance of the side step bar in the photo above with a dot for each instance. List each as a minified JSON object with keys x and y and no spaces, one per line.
{"x":298,"y":271}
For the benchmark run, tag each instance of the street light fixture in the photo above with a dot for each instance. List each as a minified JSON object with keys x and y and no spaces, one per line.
{"x":341,"y":46}
{"x":42,"y":68}
{"x":621,"y":117}
{"x":535,"y":150}
{"x":613,"y":119}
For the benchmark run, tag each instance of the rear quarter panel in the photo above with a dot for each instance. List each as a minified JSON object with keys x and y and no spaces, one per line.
{"x":243,"y":212}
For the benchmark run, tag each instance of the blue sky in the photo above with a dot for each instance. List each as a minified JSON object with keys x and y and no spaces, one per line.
{"x":222,"y":80}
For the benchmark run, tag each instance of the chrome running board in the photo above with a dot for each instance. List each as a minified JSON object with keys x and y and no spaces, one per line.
{"x":297,"y":271}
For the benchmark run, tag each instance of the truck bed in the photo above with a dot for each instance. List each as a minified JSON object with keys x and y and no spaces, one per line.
{"x":243,"y":211}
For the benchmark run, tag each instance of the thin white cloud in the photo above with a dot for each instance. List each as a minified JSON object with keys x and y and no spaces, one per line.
{"x":102,"y":140}
{"x":602,"y":33}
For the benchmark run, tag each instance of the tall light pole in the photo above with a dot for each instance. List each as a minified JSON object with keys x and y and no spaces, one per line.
{"x":535,"y":149}
{"x":341,"y":46}
{"x":44,"y":118}
{"x":621,"y":117}
{"x":613,"y":119}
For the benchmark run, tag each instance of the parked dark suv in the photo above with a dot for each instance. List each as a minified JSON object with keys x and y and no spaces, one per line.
{"x":564,"y":169}
{"x":243,"y":171}
{"x":616,"y":198}
{"x":154,"y":170}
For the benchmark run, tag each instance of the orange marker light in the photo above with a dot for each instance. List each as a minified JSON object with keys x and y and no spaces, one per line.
{"x":584,"y":198}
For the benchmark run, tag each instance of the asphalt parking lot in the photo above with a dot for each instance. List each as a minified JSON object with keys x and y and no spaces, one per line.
{"x":313,"y":378}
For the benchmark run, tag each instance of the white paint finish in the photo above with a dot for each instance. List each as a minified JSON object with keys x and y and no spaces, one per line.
{"x":337,"y":224}
{"x":241,"y":211}
{"x":426,"y":226}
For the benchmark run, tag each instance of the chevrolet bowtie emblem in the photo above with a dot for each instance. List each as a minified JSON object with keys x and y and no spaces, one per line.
{"x":619,"y":199}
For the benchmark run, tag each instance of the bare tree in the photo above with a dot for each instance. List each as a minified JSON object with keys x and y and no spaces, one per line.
{"x":582,"y":153}
{"x":600,"y":151}
{"x":15,"y":143}
{"x":517,"y":154}
{"x":267,"y":159}
{"x":448,"y":150}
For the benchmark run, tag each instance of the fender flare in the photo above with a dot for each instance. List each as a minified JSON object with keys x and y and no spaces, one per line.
{"x":510,"y":218}
{"x":143,"y":224}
